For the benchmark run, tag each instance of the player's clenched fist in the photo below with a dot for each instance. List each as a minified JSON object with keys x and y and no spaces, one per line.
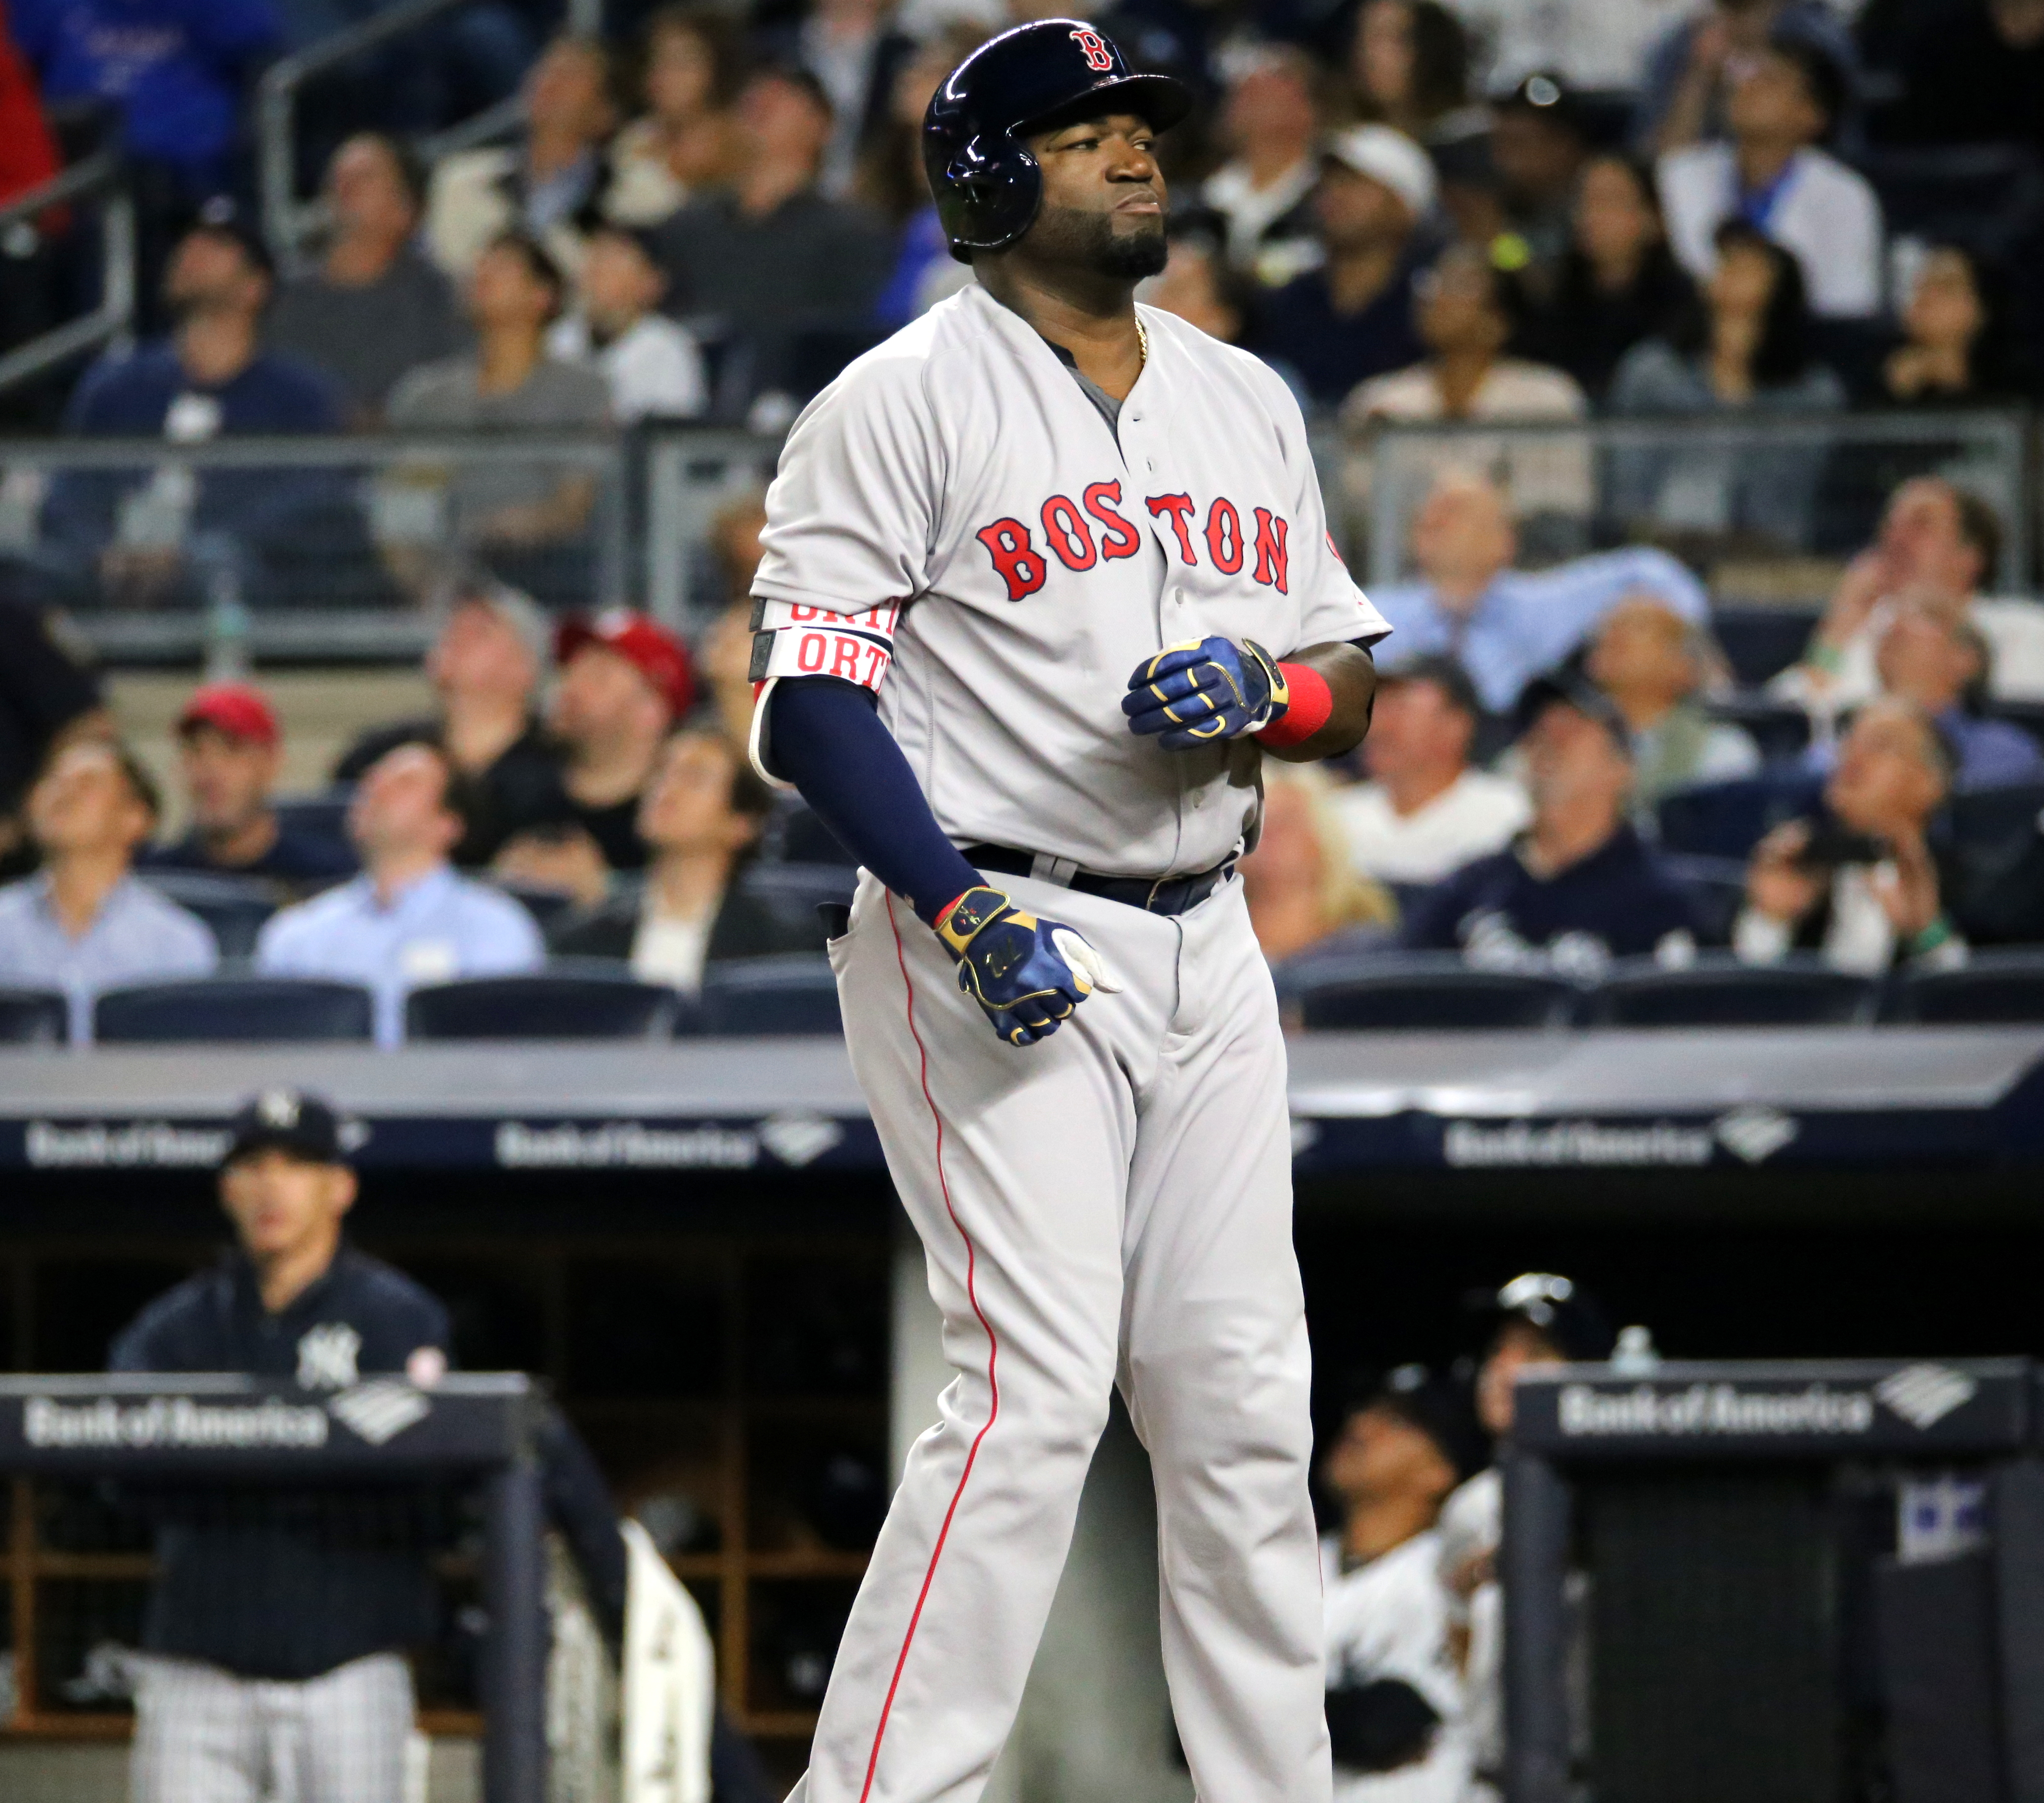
{"x":1194,"y":694}
{"x":1027,"y":973}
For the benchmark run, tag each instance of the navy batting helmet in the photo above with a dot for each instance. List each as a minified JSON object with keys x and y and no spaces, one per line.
{"x":988,"y":187}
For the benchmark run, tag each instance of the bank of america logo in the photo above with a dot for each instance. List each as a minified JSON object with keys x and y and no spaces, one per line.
{"x":1923,"y":1395}
{"x":381,"y":1409}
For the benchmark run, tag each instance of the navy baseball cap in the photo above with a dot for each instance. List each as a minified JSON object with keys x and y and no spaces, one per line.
{"x":287,"y":1120}
{"x":1551,"y":1304}
{"x":1439,"y":1407}
{"x":1570,"y":688}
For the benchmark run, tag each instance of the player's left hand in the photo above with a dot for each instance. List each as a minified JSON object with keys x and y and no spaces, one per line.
{"x":1027,"y":973}
{"x":1198,"y":693}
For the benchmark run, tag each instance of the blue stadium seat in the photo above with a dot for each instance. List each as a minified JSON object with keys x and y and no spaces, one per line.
{"x":576,"y":1000}
{"x":1779,"y":728}
{"x":1718,"y":886}
{"x":1728,"y":819}
{"x":548,"y":908}
{"x":1430,"y":993}
{"x":323,"y":814}
{"x":1720,"y":991}
{"x":235,"y":907}
{"x":794,"y":993}
{"x":794,"y":891}
{"x":232,"y":1008}
{"x":2027,"y":714}
{"x":33,"y":1017}
{"x":1761,"y":642}
{"x":1992,"y":988}
{"x":2004,"y":819}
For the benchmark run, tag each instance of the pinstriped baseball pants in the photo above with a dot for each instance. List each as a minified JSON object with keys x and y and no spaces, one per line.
{"x":1110,"y":1208}
{"x":205,"y":1736}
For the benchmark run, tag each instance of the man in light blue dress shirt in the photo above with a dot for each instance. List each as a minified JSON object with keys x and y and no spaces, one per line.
{"x":82,"y":923}
{"x":408,"y":919}
{"x":1503,"y":625}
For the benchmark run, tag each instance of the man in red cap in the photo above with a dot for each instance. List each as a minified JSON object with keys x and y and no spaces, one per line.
{"x":230,"y":747}
{"x":623,"y":682}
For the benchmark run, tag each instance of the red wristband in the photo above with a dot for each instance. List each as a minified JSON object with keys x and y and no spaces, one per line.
{"x":1312,"y":701}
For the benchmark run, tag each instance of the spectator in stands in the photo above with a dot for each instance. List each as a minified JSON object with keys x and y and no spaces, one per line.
{"x":1783,"y":104}
{"x":652,"y":364}
{"x":512,"y":513}
{"x":1270,"y":124}
{"x":1505,"y":626}
{"x":772,"y":257}
{"x":686,"y":140}
{"x":407,"y":919}
{"x":1425,"y":811}
{"x":1932,"y":657}
{"x":1972,"y":74}
{"x":1539,"y":145}
{"x":1953,"y":351}
{"x":176,"y":74}
{"x":854,"y":51}
{"x":493,"y":648}
{"x":700,"y":819}
{"x":229,"y":748}
{"x":1862,"y":884}
{"x":1461,"y":314}
{"x":1589,"y":43}
{"x":49,"y":696}
{"x":1351,"y":319}
{"x":373,"y":307}
{"x":625,"y":681}
{"x":1408,"y":68}
{"x":1580,"y":888}
{"x":275,"y":1627}
{"x":1745,"y":348}
{"x":1937,"y":540}
{"x":211,"y":378}
{"x":1198,"y":286}
{"x":1394,"y":1696}
{"x":1690,"y":73}
{"x":1304,"y":892}
{"x":83,"y":923}
{"x":1652,"y":663}
{"x":1618,"y":283}
{"x":538,"y":187}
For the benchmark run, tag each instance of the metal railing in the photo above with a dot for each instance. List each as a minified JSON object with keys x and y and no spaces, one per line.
{"x":1720,"y":491}
{"x":101,"y":174}
{"x":289,"y":222}
{"x":307,"y":547}
{"x":690,"y":477}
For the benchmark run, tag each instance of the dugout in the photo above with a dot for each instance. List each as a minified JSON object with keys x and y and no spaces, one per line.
{"x":1799,"y":1583}
{"x":697,"y":1247}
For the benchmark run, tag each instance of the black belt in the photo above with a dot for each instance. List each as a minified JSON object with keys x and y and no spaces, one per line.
{"x":1160,"y":895}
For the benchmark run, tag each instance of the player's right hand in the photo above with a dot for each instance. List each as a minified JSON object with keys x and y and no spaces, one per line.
{"x":1027,"y":973}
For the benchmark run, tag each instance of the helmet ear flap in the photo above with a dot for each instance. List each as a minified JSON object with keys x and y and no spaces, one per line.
{"x":998,"y":190}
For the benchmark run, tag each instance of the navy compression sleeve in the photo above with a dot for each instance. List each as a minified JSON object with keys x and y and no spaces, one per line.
{"x":825,"y":738}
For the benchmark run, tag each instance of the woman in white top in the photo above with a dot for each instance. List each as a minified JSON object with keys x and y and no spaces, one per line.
{"x":684,"y":140}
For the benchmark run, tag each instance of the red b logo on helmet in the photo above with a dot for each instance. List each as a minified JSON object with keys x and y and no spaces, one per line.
{"x":1097,"y":55}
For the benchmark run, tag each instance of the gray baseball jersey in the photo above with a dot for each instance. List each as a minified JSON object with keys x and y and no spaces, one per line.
{"x":955,"y":526}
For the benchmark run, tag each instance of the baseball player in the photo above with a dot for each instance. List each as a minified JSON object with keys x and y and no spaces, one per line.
{"x":1539,"y":1319}
{"x":273,"y":1630}
{"x":1394,"y":1691}
{"x":1045,"y":578}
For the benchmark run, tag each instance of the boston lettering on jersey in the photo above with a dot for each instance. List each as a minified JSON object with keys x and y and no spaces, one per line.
{"x":1069,"y":534}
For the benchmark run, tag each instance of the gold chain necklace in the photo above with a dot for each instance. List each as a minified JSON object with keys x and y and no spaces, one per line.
{"x":1143,"y":338}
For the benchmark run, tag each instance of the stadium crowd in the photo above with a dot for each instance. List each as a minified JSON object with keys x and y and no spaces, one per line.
{"x":1415,"y":212}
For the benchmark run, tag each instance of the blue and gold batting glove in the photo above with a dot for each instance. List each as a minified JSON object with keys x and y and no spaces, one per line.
{"x":1198,"y":694}
{"x":1028,"y":974}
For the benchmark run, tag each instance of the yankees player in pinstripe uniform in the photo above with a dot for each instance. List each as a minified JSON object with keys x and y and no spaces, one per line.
{"x":274,"y":1626}
{"x":1046,"y":577}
